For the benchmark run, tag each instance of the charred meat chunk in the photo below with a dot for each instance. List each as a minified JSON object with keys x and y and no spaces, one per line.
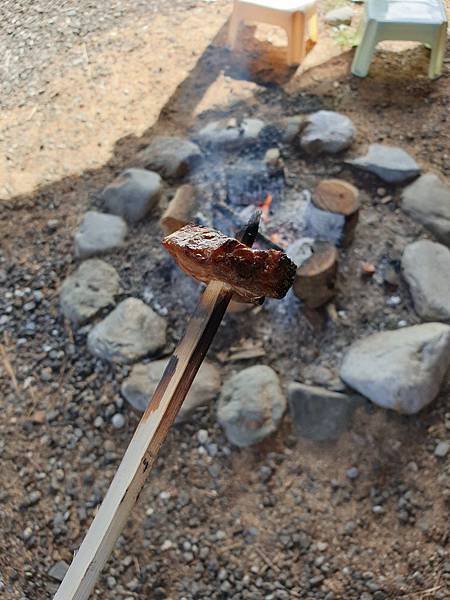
{"x":206,"y":254}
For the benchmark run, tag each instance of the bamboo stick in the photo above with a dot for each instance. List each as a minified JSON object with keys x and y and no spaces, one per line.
{"x":148,"y":438}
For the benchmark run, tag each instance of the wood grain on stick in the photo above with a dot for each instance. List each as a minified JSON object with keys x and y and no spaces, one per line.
{"x":147,"y":439}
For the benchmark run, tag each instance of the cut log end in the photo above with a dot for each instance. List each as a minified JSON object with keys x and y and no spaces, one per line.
{"x":180,"y":211}
{"x":342,"y":198}
{"x":315,"y":280}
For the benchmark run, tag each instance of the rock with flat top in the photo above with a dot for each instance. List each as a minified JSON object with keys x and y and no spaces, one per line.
{"x":139,"y":387}
{"x":130,"y":332}
{"x":58,"y":570}
{"x":88,"y":290}
{"x":426,"y":268}
{"x":133,"y":194}
{"x":231,"y":133}
{"x":391,"y":164}
{"x":327,"y":132}
{"x":251,"y":405}
{"x":320,"y":414}
{"x":402,"y":369}
{"x":342,"y":15}
{"x":99,"y":234}
{"x":171,"y":157}
{"x":427,"y":201}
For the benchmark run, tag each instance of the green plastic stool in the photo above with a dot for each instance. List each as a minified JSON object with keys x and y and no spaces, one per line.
{"x":408,"y":20}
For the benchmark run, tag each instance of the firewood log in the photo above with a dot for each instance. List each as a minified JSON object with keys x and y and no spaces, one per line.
{"x":341,"y":198}
{"x":315,"y":280}
{"x":180,"y":211}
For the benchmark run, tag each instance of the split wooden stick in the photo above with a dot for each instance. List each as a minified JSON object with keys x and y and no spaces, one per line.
{"x":148,"y":438}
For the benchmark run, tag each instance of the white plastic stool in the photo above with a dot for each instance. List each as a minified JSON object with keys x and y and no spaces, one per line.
{"x":408,"y":20}
{"x":294,"y":16}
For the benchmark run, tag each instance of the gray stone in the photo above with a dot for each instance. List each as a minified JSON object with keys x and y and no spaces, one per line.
{"x":300,"y":250}
{"x":442,"y":449}
{"x":90,"y":288}
{"x":291,"y":127}
{"x":403,"y":369}
{"x":320,"y":414}
{"x":172,"y":157}
{"x":230,"y":134}
{"x":352,"y":473}
{"x":98,"y":234}
{"x":427,"y":201}
{"x":133,"y":330}
{"x":139,"y":387}
{"x":323,"y":225}
{"x":390,"y":163}
{"x":118,"y":421}
{"x":251,"y":405}
{"x":339,"y":16}
{"x":133,"y":194}
{"x":327,"y":132}
{"x":58,"y":570}
{"x":426,"y":268}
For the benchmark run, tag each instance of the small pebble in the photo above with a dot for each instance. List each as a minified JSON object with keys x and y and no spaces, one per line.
{"x":352,"y":473}
{"x":166,"y":545}
{"x":118,"y":421}
{"x":393,"y":301}
{"x":442,"y":449}
{"x":202,"y":436}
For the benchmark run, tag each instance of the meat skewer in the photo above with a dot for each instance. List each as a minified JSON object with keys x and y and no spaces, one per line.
{"x":143,"y":449}
{"x":206,"y":254}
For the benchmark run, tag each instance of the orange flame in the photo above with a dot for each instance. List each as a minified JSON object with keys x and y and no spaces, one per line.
{"x":265,"y":208}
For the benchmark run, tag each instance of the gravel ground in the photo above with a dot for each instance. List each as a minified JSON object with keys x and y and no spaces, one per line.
{"x":365,"y":518}
{"x":34,"y":34}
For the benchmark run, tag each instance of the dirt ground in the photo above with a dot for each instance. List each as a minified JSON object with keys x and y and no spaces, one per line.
{"x":281,"y":520}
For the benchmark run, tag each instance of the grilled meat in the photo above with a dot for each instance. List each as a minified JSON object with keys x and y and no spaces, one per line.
{"x":206,"y":254}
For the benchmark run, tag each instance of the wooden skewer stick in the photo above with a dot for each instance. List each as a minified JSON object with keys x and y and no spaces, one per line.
{"x":148,"y":437}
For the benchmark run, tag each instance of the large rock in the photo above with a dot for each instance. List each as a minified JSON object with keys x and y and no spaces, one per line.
{"x":251,"y":405}
{"x":342,"y":15}
{"x":320,"y":414}
{"x":390,"y":163}
{"x":426,"y":268}
{"x":172,"y":157}
{"x":133,"y":194}
{"x":427,"y":200}
{"x":138,"y":388}
{"x":133,"y":330}
{"x":90,"y":288}
{"x":402,"y":369}
{"x":327,"y":132}
{"x":231,"y":133}
{"x":99,"y":234}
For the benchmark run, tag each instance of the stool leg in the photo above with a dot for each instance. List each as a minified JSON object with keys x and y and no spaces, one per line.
{"x":365,"y":50}
{"x":233,"y":28}
{"x":296,"y":39}
{"x":437,"y":52}
{"x":313,"y":28}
